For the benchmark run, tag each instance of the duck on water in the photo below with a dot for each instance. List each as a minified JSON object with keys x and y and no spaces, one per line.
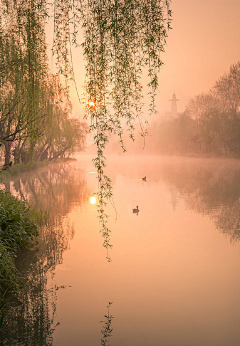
{"x":136,"y":210}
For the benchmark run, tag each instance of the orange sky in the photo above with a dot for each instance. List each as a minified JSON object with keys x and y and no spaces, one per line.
{"x":204,"y":42}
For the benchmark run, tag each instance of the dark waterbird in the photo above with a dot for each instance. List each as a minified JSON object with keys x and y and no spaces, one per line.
{"x":136,"y":210}
{"x":144,"y":179}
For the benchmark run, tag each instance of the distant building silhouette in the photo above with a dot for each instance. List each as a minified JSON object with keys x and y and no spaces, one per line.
{"x":174,"y":105}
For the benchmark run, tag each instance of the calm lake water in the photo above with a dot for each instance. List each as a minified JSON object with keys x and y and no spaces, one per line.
{"x":174,"y":278}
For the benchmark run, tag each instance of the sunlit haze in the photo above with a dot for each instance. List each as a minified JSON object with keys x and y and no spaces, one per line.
{"x":115,"y":231}
{"x":203,"y":43}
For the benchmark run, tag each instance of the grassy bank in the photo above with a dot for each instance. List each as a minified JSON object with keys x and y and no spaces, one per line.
{"x":18,"y":230}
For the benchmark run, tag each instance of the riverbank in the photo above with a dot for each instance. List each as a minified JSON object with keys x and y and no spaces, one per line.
{"x":18,"y":230}
{"x":18,"y":225}
{"x":16,"y":169}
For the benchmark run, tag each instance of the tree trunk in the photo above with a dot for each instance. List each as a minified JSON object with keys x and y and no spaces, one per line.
{"x":7,"y":152}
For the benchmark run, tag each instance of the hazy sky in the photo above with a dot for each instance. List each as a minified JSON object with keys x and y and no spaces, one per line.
{"x":203,"y":43}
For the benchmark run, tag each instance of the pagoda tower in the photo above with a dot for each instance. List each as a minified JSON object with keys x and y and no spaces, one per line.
{"x":174,"y":105}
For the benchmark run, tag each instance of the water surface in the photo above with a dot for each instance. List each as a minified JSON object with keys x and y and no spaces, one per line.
{"x":174,"y":278}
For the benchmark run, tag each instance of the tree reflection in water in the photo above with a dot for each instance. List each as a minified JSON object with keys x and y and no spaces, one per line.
{"x":106,"y":330}
{"x":208,"y":186}
{"x":30,"y":316}
{"x":212,"y":190}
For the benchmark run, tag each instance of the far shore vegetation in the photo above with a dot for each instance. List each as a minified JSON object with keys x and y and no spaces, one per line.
{"x":209,"y":126}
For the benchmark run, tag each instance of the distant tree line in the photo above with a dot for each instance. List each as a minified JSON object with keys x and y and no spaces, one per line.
{"x":210,"y":125}
{"x":35,"y":121}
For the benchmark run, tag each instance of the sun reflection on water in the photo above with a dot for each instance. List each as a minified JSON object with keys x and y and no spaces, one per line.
{"x":93,"y":200}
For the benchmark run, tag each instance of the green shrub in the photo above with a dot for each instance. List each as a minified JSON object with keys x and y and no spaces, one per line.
{"x":2,"y":303}
{"x":17,"y":228}
{"x":8,"y":271}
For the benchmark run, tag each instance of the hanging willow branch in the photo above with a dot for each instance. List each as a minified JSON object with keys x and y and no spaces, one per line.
{"x":121,"y":39}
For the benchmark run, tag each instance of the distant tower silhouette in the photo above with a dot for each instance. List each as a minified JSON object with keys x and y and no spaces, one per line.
{"x":174,"y":199}
{"x":174,"y":105}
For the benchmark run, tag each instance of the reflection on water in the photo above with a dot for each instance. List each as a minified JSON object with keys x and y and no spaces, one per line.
{"x":107,"y":327}
{"x":174,"y":278}
{"x":93,"y":200}
{"x":209,"y":187}
{"x":30,"y":318}
{"x":55,"y":190}
{"x":212,"y":190}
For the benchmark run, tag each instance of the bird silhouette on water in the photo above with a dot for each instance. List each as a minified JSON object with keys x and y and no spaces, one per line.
{"x":144,"y":179}
{"x":136,"y":210}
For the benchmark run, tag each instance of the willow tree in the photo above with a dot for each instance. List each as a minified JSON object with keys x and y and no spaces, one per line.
{"x":122,"y":38}
{"x":23,"y":64}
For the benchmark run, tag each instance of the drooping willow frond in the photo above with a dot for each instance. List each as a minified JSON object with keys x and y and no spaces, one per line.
{"x":122,"y":38}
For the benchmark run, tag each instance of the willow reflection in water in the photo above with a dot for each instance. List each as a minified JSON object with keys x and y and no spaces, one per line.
{"x":30,"y":317}
{"x":107,"y":327}
{"x":174,"y":278}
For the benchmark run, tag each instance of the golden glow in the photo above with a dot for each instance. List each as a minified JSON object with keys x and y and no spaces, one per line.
{"x":91,"y":104}
{"x":93,"y":200}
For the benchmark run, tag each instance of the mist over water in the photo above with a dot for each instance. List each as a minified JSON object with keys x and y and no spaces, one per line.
{"x":174,"y":276}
